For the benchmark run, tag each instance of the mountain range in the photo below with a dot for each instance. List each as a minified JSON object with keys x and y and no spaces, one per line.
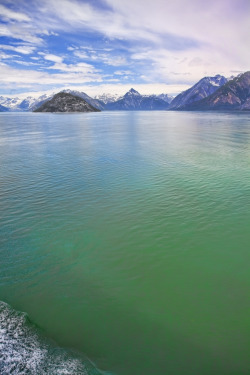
{"x":210,"y":93}
{"x":234,"y":95}
{"x":132,"y":100}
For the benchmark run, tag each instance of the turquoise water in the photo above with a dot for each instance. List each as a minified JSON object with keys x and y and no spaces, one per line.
{"x":125,"y":238}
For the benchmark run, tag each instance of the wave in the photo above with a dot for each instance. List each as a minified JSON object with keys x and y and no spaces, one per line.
{"x":25,"y":351}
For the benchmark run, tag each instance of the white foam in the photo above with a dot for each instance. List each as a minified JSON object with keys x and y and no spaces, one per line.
{"x":24,"y":351}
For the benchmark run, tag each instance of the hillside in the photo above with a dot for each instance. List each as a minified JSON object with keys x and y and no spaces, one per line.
{"x":205,"y":87}
{"x":65,"y":102}
{"x":234,"y":95}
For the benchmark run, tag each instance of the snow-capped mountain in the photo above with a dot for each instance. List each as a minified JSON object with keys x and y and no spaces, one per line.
{"x":133,"y":100}
{"x":205,"y":87}
{"x":107,"y":98}
{"x":10,"y":103}
{"x":24,"y":105}
{"x":234,"y":95}
{"x":167,"y":98}
{"x":30,"y":103}
{"x":3,"y":109}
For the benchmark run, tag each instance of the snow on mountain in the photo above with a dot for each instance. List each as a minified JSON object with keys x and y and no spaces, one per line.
{"x":234,"y":95}
{"x":3,"y":109}
{"x":133,"y":100}
{"x":167,"y":98}
{"x":10,"y":103}
{"x":205,"y":87}
{"x":31,"y":103}
{"x":28,"y":104}
{"x":107,"y":98}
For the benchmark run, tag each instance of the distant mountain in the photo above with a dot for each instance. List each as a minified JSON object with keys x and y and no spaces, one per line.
{"x":132,"y":100}
{"x":107,"y":98}
{"x":3,"y":109}
{"x":205,"y":87}
{"x":234,"y":95}
{"x":167,"y":98}
{"x":23,"y":105}
{"x":65,"y":102}
{"x":31,"y":103}
{"x":9,"y":103}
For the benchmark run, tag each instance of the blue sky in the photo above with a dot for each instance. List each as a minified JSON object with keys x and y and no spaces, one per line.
{"x":111,"y":45}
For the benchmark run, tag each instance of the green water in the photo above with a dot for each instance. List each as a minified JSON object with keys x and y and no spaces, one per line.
{"x":126,"y":236}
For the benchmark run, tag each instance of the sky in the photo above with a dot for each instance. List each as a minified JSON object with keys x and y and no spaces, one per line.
{"x":97,"y":46}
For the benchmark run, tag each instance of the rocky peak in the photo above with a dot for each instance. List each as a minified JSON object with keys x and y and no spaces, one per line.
{"x":132,"y":92}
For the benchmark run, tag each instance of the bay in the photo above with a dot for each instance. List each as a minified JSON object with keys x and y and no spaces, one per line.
{"x":125,"y":236}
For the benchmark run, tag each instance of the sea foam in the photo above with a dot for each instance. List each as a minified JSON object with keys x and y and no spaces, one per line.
{"x":24,"y":350}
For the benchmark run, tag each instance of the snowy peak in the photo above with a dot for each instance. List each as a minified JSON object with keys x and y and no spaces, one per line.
{"x":107,"y":98}
{"x":218,"y":80}
{"x":205,"y":87}
{"x":167,"y":98}
{"x":132,"y":93}
{"x":134,"y":101}
{"x":10,"y":103}
{"x":234,"y":95}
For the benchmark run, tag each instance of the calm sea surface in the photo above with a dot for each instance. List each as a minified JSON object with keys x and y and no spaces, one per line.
{"x":125,"y":237}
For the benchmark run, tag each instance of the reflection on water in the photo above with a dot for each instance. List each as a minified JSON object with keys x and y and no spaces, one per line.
{"x":126,"y":235}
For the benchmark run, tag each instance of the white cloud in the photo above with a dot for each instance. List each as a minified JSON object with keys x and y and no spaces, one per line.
{"x":12,"y":77}
{"x":183,"y":40}
{"x":26,"y":33}
{"x":104,"y":57}
{"x":80,"y":54}
{"x":24,"y":49}
{"x":76,"y":15}
{"x":54,"y":58}
{"x":109,"y":59}
{"x":8,"y":14}
{"x":4,"y":55}
{"x":123,"y":72}
{"x":220,"y":25}
{"x":26,"y":63}
{"x":183,"y":66}
{"x":74,"y":68}
{"x":213,"y":36}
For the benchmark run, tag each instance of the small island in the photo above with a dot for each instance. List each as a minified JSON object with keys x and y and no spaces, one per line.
{"x":64,"y":102}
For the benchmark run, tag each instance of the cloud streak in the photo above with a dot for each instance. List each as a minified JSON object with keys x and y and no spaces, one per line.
{"x":174,"y":42}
